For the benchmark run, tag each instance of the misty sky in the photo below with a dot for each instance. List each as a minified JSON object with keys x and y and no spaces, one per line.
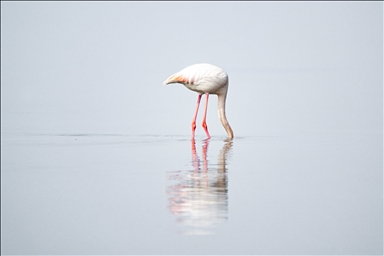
{"x":98,"y":67}
{"x":305,"y":101}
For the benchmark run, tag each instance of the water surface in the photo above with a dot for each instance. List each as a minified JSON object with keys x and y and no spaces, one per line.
{"x":304,"y":193}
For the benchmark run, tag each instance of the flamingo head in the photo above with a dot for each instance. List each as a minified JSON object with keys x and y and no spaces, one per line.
{"x":176,"y":78}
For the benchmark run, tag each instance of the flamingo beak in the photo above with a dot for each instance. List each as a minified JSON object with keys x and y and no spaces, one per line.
{"x":166,"y":82}
{"x":171,"y":80}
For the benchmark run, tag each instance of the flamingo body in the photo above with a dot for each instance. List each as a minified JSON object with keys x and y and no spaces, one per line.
{"x":205,"y":79}
{"x":202,"y":78}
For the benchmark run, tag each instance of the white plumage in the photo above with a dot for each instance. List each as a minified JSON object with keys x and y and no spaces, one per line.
{"x":205,"y":79}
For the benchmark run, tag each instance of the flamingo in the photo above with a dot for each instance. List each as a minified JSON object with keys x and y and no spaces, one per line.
{"x":205,"y":79}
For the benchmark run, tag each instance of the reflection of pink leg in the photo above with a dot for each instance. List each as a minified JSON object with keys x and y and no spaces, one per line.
{"x":204,"y":124}
{"x":205,"y":150}
{"x":194,"y":118}
{"x":195,"y":158}
{"x":205,"y":162}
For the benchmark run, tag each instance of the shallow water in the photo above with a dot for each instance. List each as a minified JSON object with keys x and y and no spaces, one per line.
{"x":90,"y":159}
{"x":304,"y":193}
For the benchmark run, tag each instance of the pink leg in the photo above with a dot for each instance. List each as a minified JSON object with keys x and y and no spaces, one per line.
{"x":204,"y":124}
{"x":194,"y":118}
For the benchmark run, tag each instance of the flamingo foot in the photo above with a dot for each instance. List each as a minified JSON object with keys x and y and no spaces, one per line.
{"x":193,"y":129}
{"x":204,"y":124}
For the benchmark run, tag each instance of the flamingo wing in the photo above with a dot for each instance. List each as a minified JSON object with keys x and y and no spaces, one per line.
{"x":200,"y":77}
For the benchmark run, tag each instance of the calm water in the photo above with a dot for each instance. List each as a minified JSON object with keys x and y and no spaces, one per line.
{"x":90,"y":163}
{"x":304,"y":193}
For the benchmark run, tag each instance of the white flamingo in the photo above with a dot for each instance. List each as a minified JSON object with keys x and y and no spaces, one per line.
{"x":205,"y":79}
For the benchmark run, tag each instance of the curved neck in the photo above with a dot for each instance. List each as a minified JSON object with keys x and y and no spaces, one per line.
{"x":221,"y":100}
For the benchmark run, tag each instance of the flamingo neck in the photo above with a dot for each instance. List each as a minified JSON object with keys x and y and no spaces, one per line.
{"x":221,"y":100}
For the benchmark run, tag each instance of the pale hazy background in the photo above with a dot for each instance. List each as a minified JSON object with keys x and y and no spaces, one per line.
{"x":98,"y":67}
{"x":90,"y":136}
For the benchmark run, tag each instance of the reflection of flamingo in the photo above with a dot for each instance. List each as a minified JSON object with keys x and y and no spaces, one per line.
{"x":205,"y":79}
{"x":199,"y":197}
